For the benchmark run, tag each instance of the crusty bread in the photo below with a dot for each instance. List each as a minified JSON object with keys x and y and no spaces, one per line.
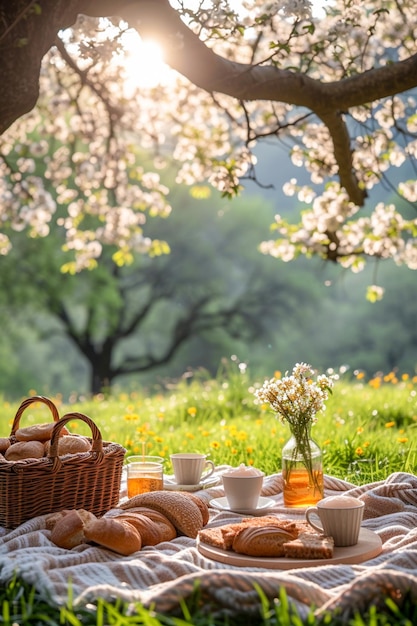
{"x":152,"y":531}
{"x":202,"y":505}
{"x":269,"y":536}
{"x":223,"y":536}
{"x":78,"y":526}
{"x":182,"y":512}
{"x":25,"y":450}
{"x":153,"y":526}
{"x":309,"y":546}
{"x":261,"y":541}
{"x":4,"y":444}
{"x":118,"y":536}
{"x":68,"y":530}
{"x":38,"y":432}
{"x":70,"y":444}
{"x":53,"y":518}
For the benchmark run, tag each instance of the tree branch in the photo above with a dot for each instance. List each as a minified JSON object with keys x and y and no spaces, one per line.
{"x":23,"y":43}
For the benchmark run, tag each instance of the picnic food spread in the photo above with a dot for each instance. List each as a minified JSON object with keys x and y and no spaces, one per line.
{"x":147,"y":519}
{"x":152,"y":518}
{"x":269,"y":536}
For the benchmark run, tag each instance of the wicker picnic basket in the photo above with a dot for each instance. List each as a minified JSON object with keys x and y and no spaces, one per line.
{"x":86,"y":480}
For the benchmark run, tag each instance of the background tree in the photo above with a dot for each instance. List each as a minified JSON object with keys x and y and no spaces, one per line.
{"x":133,"y":309}
{"x":330,"y":84}
{"x":211,"y":292}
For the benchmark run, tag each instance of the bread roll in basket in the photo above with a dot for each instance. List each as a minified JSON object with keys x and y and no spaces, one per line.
{"x":36,"y":486}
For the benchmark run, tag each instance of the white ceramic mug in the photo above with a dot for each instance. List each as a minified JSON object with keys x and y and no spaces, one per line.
{"x":190,"y":468}
{"x":340,"y":517}
{"x":242,"y":488}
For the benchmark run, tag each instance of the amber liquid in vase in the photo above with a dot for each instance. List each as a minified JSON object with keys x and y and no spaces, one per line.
{"x":298,"y":490}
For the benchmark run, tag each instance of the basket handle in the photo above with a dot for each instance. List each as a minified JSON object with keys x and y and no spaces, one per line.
{"x":97,"y":441}
{"x":28,"y":402}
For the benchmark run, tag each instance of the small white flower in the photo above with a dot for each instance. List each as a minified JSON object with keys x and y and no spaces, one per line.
{"x":297,"y":398}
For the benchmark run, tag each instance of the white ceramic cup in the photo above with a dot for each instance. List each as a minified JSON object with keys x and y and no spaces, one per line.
{"x":242,"y":490}
{"x":191,"y":468}
{"x":340,"y":517}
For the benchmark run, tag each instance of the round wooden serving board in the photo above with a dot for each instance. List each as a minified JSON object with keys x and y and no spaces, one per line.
{"x":368,"y":546}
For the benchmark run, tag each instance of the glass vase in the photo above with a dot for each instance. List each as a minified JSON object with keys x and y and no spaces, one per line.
{"x":302,"y":470}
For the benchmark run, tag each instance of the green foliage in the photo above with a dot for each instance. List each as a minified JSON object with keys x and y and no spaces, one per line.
{"x":25,"y":606}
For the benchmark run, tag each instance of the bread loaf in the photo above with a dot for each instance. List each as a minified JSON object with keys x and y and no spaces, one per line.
{"x":269,"y":536}
{"x":153,"y":526}
{"x":70,"y":444}
{"x":68,"y":530}
{"x":202,"y":505}
{"x":53,"y":518}
{"x":4,"y":444}
{"x":261,"y":541}
{"x":118,"y":536}
{"x":309,"y":546}
{"x":38,"y":432}
{"x":182,"y":512}
{"x":25,"y":450}
{"x":223,"y":536}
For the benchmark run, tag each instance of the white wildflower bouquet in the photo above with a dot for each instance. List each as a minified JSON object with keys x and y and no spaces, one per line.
{"x":297,"y":399}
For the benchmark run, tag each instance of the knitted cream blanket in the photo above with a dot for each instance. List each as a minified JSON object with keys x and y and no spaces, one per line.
{"x":163,"y":575}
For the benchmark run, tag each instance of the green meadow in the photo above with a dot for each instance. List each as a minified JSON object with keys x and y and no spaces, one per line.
{"x":367,"y":432}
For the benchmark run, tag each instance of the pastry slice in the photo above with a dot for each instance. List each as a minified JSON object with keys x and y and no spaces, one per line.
{"x":262,"y":541}
{"x":309,"y":546}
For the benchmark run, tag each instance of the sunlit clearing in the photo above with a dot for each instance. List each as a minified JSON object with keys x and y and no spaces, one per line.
{"x":144,"y":62}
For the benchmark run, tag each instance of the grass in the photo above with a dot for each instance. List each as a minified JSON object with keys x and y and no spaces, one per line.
{"x":368,"y":431}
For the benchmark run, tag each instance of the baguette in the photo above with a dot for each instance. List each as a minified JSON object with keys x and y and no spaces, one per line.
{"x":68,"y":529}
{"x":118,"y":536}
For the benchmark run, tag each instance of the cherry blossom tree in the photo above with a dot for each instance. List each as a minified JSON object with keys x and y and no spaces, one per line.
{"x":337,"y":88}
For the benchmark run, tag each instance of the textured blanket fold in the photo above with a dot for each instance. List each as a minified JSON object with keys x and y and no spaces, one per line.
{"x":162,"y":575}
